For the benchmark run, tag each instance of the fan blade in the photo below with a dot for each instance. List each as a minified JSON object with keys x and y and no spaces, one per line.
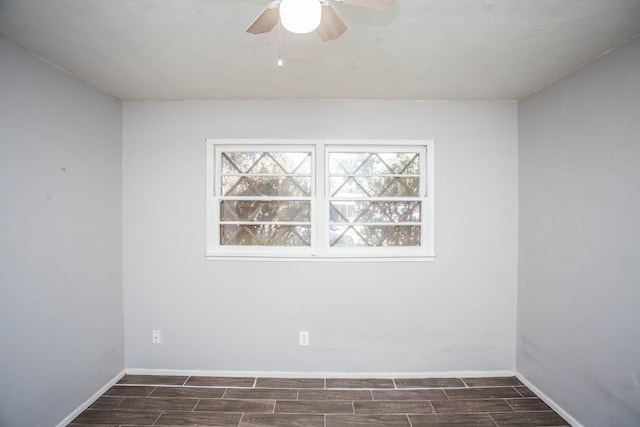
{"x":378,"y":4}
{"x":331,"y":25}
{"x":266,"y":20}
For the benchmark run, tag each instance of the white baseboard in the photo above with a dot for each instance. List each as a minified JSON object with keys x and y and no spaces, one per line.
{"x":90,"y":400}
{"x":289,"y":374}
{"x":564,"y":414}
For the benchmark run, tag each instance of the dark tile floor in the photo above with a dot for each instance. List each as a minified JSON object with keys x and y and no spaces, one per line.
{"x":141,"y":400}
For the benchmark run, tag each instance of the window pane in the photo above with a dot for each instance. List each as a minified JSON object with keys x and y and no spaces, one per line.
{"x":374,"y":186}
{"x":374,"y":235}
{"x":378,"y":211}
{"x":374,"y":163}
{"x":275,"y":186}
{"x":356,"y":176}
{"x":259,"y":162}
{"x":265,"y":235}
{"x":264,"y":211}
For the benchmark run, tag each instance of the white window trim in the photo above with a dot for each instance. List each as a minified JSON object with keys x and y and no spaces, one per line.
{"x":319,"y":240}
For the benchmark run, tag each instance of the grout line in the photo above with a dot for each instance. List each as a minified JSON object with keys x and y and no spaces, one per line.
{"x":185,"y":380}
{"x":318,"y":388}
{"x":115,"y":407}
{"x":514,"y":389}
{"x":156,"y":420}
{"x":504,"y":399}
{"x":433,"y":409}
{"x":255,"y":382}
{"x":410,"y":423}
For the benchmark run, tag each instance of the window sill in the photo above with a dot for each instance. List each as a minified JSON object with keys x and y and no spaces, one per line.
{"x":310,"y":258}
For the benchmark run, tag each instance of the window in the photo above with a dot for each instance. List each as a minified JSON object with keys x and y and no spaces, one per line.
{"x":320,"y":199}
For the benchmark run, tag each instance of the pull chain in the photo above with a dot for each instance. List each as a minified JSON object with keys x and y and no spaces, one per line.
{"x":280,"y":63}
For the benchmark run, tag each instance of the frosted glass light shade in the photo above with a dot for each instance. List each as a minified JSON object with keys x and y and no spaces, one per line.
{"x":300,"y":16}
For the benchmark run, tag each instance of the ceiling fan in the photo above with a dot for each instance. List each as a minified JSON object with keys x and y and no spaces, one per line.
{"x":328,"y":24}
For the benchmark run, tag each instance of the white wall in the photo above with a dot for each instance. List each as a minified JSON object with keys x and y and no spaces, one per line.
{"x":579,"y":257}
{"x":61,"y":303}
{"x":457,"y":313}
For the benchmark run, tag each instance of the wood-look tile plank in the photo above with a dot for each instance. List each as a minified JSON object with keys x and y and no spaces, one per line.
{"x":198,"y":392}
{"x":313,"y":407}
{"x":157,"y":403}
{"x":481,"y":393}
{"x":221,"y":381}
{"x":492,"y":382}
{"x":260,"y":393}
{"x":335,"y":395}
{"x":528,"y":404}
{"x":430,"y":394}
{"x":99,"y":416}
{"x":452,"y":420}
{"x":106,"y":402}
{"x":393,"y":407}
{"x":367,"y":421}
{"x":474,"y":405}
{"x":94,"y":425}
{"x":359,"y":383}
{"x":525,"y":391}
{"x":428,"y":382}
{"x":530,"y":419}
{"x":236,"y":405}
{"x":217,"y":419}
{"x":153,"y":379}
{"x":282,"y":420}
{"x":290,"y":382}
{"x":130,"y":390}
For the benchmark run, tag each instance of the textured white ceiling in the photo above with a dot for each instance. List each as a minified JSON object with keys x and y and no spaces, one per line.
{"x":419,"y":49}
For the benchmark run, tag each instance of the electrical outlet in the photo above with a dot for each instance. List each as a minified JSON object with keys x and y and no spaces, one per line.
{"x":304,"y":337}
{"x":156,"y":338}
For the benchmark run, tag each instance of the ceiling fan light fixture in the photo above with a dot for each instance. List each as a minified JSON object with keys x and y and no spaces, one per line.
{"x":300,"y":16}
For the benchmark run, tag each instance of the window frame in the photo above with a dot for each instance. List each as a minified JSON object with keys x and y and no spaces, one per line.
{"x":320,"y":249}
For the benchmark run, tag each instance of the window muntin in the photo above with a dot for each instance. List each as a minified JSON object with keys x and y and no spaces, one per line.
{"x":320,"y":200}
